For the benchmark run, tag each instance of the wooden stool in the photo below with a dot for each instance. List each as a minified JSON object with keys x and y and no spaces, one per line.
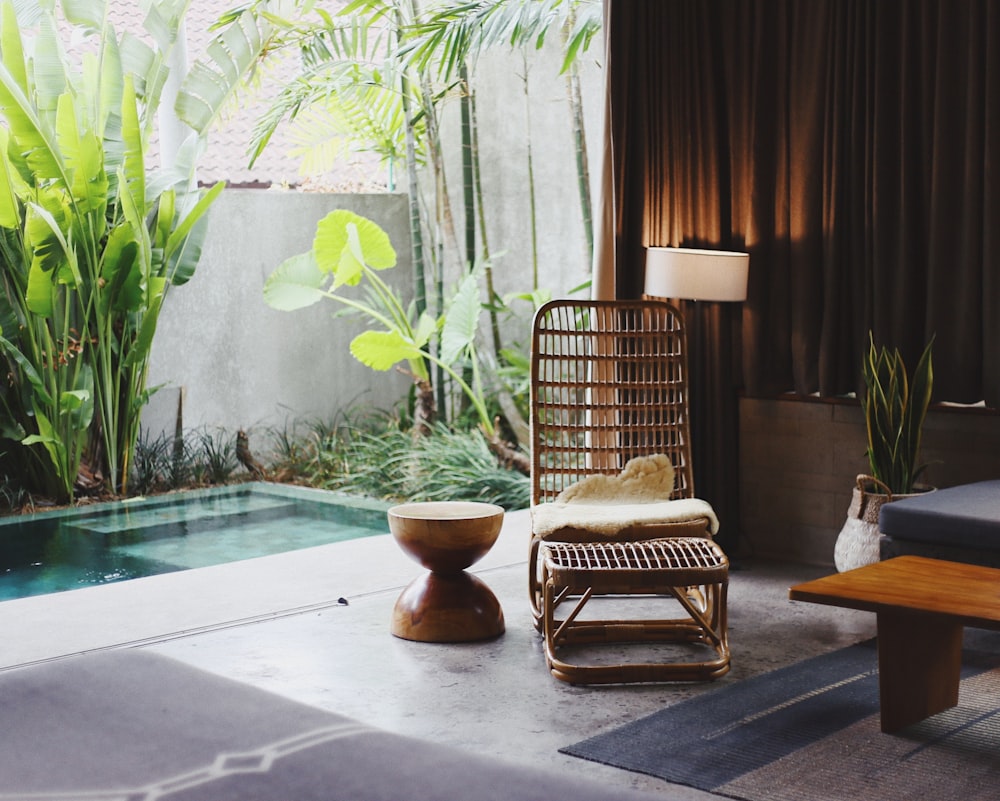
{"x":692,"y":570}
{"x":446,"y":604}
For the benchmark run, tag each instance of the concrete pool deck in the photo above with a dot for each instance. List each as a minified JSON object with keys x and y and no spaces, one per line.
{"x":178,"y":604}
{"x":276,"y":622}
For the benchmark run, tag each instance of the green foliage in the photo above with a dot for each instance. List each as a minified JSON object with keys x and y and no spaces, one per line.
{"x":198,"y":458}
{"x":459,"y":465}
{"x":387,"y":462}
{"x":90,"y":242}
{"x":218,"y":457}
{"x":151,"y":463}
{"x":13,"y":495}
{"x":375,"y":77}
{"x":459,"y":31}
{"x":350,"y":251}
{"x":895,"y":407}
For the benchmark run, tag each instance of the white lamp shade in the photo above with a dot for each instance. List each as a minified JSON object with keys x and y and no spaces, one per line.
{"x":689,"y":274}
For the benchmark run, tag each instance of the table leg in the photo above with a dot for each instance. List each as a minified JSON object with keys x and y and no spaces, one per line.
{"x":919,"y":664}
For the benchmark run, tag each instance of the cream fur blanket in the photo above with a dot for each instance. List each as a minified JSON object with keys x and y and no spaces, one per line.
{"x":607,"y":504}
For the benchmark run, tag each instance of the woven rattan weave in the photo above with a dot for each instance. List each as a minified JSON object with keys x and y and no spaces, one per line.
{"x":609,"y":384}
{"x":691,"y":571}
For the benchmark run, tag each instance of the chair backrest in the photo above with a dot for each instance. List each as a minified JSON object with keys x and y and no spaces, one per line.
{"x":608,"y":383}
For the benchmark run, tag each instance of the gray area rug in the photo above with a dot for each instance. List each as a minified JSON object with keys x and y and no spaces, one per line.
{"x":811,"y":731}
{"x":135,"y":726}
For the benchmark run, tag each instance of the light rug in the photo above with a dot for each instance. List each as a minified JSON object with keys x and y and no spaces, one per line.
{"x":811,"y":731}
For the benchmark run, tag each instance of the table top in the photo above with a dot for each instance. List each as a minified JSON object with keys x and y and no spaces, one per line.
{"x":968,"y":593}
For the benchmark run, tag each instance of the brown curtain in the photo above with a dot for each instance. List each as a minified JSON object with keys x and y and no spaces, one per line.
{"x":850,"y":147}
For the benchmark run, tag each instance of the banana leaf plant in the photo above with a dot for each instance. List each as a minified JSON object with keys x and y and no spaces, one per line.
{"x":895,"y":406}
{"x":91,"y":240}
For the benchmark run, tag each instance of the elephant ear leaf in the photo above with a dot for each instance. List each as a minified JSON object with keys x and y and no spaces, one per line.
{"x":462,"y":321}
{"x":381,"y":350}
{"x":427,"y":325}
{"x":345,"y":240}
{"x":297,"y":283}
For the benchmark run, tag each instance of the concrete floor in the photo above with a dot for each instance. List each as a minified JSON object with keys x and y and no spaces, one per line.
{"x":278,"y":623}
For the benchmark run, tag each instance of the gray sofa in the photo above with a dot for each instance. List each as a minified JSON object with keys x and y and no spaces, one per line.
{"x":136,"y":725}
{"x":960,"y":524}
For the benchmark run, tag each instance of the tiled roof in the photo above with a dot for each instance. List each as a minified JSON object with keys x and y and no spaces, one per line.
{"x":226,"y":157}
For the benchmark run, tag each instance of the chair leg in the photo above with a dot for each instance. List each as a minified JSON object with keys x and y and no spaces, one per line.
{"x":535,"y":590}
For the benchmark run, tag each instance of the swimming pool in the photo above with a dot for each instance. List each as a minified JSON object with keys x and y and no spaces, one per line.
{"x":108,"y":542}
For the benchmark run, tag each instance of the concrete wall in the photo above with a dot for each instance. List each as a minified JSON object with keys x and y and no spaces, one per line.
{"x":508,"y":122}
{"x":799,"y":460}
{"x":240,"y":363}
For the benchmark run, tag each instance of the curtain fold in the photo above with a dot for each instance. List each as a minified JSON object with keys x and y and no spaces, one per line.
{"x":850,"y":147}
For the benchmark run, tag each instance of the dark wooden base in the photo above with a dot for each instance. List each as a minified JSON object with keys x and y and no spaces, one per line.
{"x":447,"y":607}
{"x":919,"y":667}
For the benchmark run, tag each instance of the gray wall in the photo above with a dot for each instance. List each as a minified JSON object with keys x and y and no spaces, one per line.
{"x":239,"y":363}
{"x":507,"y":124}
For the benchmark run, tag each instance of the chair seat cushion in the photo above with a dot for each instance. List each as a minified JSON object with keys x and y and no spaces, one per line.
{"x":966,"y":516}
{"x":611,"y":518}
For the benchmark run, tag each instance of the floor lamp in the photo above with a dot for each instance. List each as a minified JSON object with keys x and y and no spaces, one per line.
{"x":720,"y":278}
{"x":690,"y":274}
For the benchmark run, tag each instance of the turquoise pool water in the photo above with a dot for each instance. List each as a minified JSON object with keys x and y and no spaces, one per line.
{"x":69,"y":549}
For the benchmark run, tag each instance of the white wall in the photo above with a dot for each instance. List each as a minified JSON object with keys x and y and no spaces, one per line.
{"x":240,"y":363}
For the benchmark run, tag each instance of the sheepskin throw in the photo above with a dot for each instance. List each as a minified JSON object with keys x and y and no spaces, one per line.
{"x":606,"y":505}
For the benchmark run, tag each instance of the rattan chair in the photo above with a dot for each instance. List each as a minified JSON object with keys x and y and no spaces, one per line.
{"x":608,"y":386}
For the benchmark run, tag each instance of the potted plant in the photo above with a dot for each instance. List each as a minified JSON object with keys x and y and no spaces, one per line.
{"x":895,"y":407}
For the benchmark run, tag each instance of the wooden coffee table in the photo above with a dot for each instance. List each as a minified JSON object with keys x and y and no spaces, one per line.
{"x":921,"y":606}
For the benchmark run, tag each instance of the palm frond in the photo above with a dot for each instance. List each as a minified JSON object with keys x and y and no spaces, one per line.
{"x":362,"y":103}
{"x":211,"y":82}
{"x":458,"y":32}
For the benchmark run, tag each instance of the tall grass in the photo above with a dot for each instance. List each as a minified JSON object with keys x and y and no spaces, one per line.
{"x":376,"y":457}
{"x":363,"y":452}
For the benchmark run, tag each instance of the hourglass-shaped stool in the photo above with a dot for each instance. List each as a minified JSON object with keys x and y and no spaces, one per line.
{"x":446,"y":604}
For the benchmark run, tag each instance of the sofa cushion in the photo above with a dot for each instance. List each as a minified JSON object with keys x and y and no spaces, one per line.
{"x":966,"y":516}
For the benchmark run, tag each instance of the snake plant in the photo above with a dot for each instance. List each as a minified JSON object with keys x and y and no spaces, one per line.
{"x":895,"y":406}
